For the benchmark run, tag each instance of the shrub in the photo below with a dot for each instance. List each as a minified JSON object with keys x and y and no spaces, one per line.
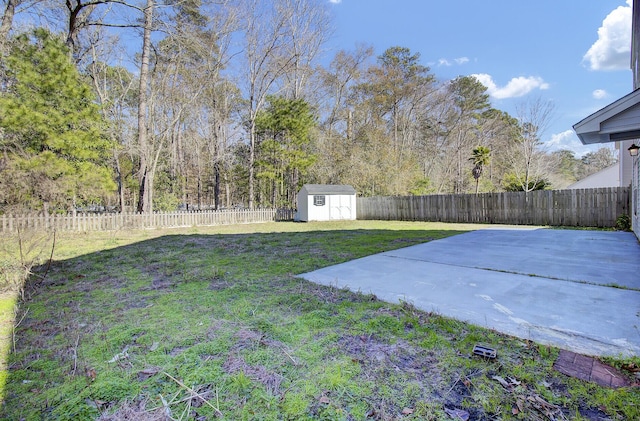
{"x":623,"y":222}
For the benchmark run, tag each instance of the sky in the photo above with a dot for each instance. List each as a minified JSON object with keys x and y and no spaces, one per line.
{"x":573,"y":53}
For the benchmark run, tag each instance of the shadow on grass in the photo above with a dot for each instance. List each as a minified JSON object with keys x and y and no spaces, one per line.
{"x":92,"y":308}
{"x":206,"y":326}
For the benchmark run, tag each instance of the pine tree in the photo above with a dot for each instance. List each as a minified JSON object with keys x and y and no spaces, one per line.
{"x":51,"y":132}
{"x":285,"y":128}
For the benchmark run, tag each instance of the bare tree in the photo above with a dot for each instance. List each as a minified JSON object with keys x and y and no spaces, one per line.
{"x":266,"y":62}
{"x":455,"y":122}
{"x":531,"y":165}
{"x":308,"y":27}
{"x":115,"y":88}
{"x":333,"y":91}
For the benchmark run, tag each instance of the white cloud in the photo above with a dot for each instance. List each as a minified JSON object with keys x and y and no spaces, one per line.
{"x":447,"y":62}
{"x":516,"y":87}
{"x":611,"y":50}
{"x":569,"y":140}
{"x":563,"y":140}
{"x":335,"y":1}
{"x":599,"y":93}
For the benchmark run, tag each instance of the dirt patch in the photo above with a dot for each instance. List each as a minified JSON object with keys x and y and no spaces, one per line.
{"x":159,"y":277}
{"x":269,"y":379}
{"x":128,"y":301}
{"x":218,"y":284}
{"x":247,"y":337}
{"x":399,"y":355}
{"x":381,"y":361}
{"x":333,"y":295}
{"x":135,"y":411}
{"x":178,"y":350}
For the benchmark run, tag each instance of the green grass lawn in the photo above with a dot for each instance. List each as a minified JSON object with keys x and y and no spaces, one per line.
{"x":212,"y":323}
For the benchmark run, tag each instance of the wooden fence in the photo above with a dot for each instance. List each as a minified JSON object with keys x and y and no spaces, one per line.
{"x":582,"y":207}
{"x":118,"y":221}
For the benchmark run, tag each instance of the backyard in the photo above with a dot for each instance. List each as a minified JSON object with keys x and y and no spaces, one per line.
{"x":212,"y":322}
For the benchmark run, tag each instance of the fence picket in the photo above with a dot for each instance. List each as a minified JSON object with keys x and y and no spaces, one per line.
{"x":83,"y":222}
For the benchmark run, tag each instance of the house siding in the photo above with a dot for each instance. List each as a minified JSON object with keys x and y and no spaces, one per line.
{"x":635,"y":200}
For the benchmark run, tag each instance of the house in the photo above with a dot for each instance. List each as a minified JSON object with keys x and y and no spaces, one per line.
{"x":620,"y":122}
{"x":326,"y":202}
{"x":607,"y":177}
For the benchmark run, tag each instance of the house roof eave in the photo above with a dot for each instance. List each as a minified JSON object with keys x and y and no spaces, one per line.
{"x":611,"y":123}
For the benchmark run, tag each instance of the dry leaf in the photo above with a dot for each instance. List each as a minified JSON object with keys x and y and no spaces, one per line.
{"x":407,"y":411}
{"x":147,"y":373}
{"x":121,"y":356}
{"x":502,"y":381}
{"x":457,"y":414}
{"x":324,"y":399}
{"x":508,"y":384}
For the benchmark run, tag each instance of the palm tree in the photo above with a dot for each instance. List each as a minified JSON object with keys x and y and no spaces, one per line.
{"x":480,"y":158}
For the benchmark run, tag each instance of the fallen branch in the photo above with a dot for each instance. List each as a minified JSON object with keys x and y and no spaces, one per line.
{"x":53,"y":247}
{"x":15,"y":325}
{"x":290,"y":357}
{"x":75,"y":356}
{"x":194,"y":393}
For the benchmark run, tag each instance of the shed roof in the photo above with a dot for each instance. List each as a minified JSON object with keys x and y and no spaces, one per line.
{"x":328,"y":189}
{"x":615,"y":122}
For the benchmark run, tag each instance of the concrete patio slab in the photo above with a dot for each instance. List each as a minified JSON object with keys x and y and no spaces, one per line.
{"x":550,"y":286}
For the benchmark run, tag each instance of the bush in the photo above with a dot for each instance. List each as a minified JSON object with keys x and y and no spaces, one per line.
{"x":623,"y":222}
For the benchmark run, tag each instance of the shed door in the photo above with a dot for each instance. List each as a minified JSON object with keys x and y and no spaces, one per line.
{"x":340,"y":207}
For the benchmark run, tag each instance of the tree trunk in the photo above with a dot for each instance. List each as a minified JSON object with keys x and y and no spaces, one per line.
{"x":252,"y":158}
{"x":144,"y":204}
{"x":141,"y":191}
{"x":120,"y":180}
{"x":216,"y":185}
{"x":7,"y":20}
{"x":227,"y":192}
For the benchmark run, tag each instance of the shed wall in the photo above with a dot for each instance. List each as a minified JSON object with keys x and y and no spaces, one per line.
{"x":336,"y":207}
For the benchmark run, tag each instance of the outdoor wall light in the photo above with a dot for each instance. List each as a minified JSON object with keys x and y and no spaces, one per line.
{"x":633,"y":150}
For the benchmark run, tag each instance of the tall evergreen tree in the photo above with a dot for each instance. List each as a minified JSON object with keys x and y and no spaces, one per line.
{"x":284,"y":128}
{"x":51,"y":134}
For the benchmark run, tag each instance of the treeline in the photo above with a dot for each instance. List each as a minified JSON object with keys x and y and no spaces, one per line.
{"x":210,"y":104}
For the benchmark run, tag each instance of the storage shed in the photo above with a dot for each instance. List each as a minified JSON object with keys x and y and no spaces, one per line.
{"x":326,"y":202}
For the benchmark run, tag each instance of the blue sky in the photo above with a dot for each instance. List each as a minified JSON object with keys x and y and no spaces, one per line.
{"x":574,"y":53}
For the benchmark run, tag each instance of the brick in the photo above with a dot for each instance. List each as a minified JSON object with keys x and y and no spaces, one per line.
{"x":589,"y":369}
